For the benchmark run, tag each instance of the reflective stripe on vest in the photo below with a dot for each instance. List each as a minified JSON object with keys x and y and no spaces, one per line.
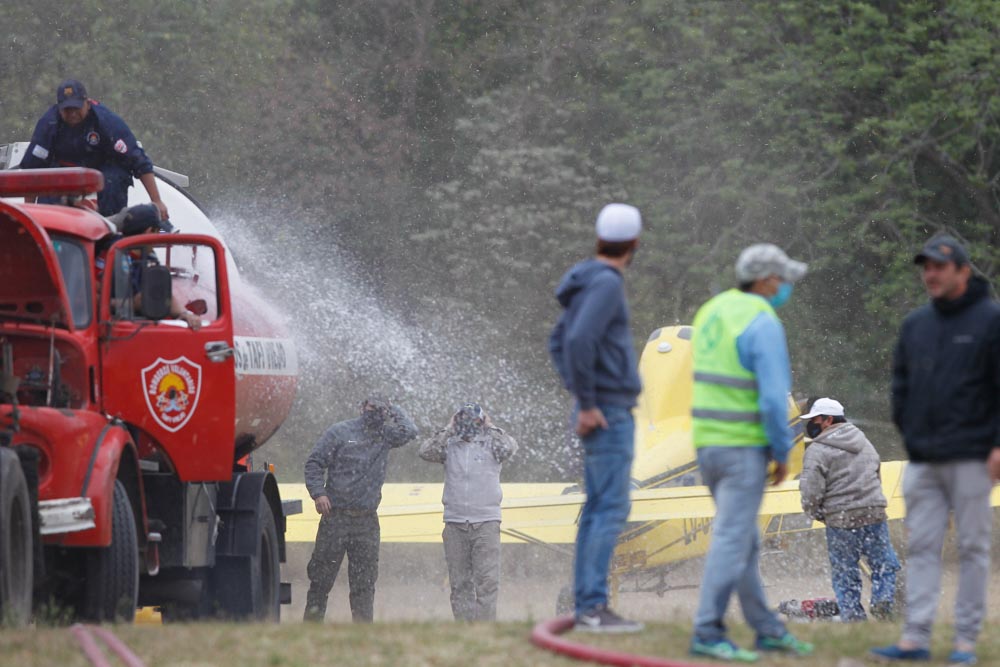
{"x":726,"y":381}
{"x":726,"y":415}
{"x":725,"y":408}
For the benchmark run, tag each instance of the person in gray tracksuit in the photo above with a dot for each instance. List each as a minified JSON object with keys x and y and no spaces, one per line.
{"x":344,"y":476}
{"x":841,"y":487}
{"x":472,"y":450}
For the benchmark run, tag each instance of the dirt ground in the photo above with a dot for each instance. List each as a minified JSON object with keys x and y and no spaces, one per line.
{"x":413,"y":582}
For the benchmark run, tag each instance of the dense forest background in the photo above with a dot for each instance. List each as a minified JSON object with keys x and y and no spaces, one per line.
{"x":409,"y":178}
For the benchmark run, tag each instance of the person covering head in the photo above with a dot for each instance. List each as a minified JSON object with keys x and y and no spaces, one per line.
{"x":618,"y":222}
{"x":374,"y":410}
{"x":142,"y":217}
{"x":762,"y":260}
{"x":826,"y":407}
{"x":943,"y":248}
{"x":469,"y":421}
{"x":71,"y":95}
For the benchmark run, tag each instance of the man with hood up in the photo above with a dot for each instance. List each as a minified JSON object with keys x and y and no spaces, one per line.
{"x":841,"y":487}
{"x":472,"y":450}
{"x":344,"y":476}
{"x":946,"y":404}
{"x":591,"y":348}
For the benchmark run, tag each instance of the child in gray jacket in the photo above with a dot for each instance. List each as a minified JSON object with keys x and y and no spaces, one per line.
{"x":841,"y":487}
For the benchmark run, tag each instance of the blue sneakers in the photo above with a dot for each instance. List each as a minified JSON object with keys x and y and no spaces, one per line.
{"x":894,"y":653}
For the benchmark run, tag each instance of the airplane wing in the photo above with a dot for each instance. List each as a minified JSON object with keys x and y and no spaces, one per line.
{"x":547,"y":513}
{"x":413,"y":512}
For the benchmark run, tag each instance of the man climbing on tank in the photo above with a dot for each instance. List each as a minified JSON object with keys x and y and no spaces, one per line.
{"x":80,"y":132}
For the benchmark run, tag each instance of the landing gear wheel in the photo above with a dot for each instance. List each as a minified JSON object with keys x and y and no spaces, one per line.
{"x":112,"y":586}
{"x":16,"y":553}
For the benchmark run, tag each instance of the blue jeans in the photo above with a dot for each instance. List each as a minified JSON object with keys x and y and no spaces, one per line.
{"x":607,"y":471}
{"x":736,"y":477}
{"x":846,"y":547}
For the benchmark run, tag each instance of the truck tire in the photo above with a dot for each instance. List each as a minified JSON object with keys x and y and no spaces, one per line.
{"x":16,"y":545}
{"x":248,"y":587}
{"x":267,"y":569}
{"x":112,"y":586}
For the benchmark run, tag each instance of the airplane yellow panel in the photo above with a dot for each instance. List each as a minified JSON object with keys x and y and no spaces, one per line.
{"x":413,"y":512}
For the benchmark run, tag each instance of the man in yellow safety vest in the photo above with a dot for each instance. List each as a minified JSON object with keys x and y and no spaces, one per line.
{"x":739,"y":414}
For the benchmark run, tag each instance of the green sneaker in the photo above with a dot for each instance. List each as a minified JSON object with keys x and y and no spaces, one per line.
{"x":723,"y":650}
{"x":786,"y":643}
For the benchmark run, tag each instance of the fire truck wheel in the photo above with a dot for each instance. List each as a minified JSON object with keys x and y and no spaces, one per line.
{"x":266,"y":568}
{"x":16,"y":555}
{"x":112,"y":586}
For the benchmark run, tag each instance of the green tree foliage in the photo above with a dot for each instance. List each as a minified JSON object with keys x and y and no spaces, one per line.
{"x":459,"y":151}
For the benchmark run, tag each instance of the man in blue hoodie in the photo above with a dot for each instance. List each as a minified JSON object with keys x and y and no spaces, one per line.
{"x":591,"y":347}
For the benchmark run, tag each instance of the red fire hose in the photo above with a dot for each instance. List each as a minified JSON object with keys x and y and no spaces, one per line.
{"x":93,"y":651}
{"x":546,"y":635}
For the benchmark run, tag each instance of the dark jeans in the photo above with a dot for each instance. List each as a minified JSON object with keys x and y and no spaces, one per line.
{"x":472,"y":551}
{"x":607,"y":464}
{"x":342,"y":532}
{"x":846,"y":547}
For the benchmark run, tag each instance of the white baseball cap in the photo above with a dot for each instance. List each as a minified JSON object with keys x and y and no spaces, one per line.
{"x":618,"y":222}
{"x":826,"y":407}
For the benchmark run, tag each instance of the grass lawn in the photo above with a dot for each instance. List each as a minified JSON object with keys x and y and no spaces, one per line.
{"x":432,"y":644}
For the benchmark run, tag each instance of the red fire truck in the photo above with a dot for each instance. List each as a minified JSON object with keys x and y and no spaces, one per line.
{"x":124,"y":433}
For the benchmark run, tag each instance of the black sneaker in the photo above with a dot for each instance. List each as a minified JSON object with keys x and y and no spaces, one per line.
{"x":602,"y":619}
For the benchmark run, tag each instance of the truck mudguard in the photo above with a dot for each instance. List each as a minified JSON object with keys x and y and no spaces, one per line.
{"x":238,"y":503}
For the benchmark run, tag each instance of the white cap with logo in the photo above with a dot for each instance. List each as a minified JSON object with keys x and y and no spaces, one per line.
{"x":826,"y":407}
{"x":618,"y":222}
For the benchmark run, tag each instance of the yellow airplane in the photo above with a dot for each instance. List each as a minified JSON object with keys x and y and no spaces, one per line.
{"x":671,"y":514}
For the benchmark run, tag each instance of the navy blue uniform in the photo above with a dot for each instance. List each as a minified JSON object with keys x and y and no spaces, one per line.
{"x":102,"y":141}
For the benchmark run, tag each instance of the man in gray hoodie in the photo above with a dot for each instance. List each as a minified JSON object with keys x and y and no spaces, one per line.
{"x":344,"y":476}
{"x":472,"y":450}
{"x":841,"y":487}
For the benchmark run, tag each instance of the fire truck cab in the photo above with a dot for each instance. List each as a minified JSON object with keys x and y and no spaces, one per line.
{"x":124,"y":432}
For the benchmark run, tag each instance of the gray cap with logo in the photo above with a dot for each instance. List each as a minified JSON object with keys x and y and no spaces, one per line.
{"x":766,"y":259}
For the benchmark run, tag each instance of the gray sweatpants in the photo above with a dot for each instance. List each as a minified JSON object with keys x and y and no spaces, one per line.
{"x":472,"y":551}
{"x":932,"y":491}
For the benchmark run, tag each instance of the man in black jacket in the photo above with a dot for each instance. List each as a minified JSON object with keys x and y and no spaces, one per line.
{"x":946,"y":403}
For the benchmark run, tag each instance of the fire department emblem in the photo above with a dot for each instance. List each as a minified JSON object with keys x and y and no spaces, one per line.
{"x":121,"y":147}
{"x":172,"y":388}
{"x":93,"y":138}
